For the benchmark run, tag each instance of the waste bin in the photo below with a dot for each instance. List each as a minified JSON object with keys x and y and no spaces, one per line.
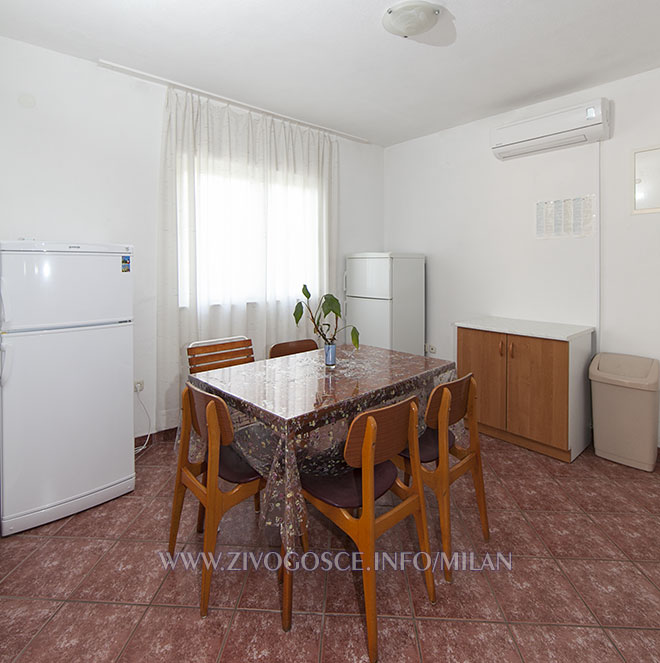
{"x":624,"y":397}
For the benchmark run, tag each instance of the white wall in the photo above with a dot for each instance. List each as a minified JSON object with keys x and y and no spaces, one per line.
{"x":360,"y":204}
{"x":446,"y":195}
{"x":83,"y":164}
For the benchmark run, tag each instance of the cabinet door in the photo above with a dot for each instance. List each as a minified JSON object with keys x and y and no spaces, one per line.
{"x":537,"y":389}
{"x":483,"y":353}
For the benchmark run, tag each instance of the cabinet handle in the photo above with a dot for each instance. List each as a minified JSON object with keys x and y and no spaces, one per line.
{"x":511,"y":350}
{"x":501,"y":348}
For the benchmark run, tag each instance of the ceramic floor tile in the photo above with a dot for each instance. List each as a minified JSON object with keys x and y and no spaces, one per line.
{"x":586,"y":466}
{"x":652,"y":571}
{"x":106,"y":521}
{"x":509,"y":533}
{"x":153,"y":523}
{"x":638,"y":535}
{"x":150,"y":481}
{"x":535,"y":590}
{"x":172,"y":635}
{"x":48,"y":529}
{"x":345,"y":593}
{"x":240,"y":526}
{"x":258,"y":636}
{"x":645,"y":493}
{"x":20,"y":622}
{"x":558,"y":644}
{"x":158,"y":453}
{"x":533,"y":493}
{"x":573,"y":535}
{"x":263,"y":591}
{"x":489,"y":444}
{"x":16,"y":549}
{"x":468,"y":596}
{"x":183,"y":586}
{"x":637,"y":646}
{"x":600,"y":495}
{"x":66,"y":637}
{"x":467,"y":642}
{"x":617,"y":592}
{"x":55,"y":569}
{"x":460,"y":540}
{"x":515,"y":462}
{"x":129,"y":573}
{"x":345,"y":640}
{"x":497,"y":495}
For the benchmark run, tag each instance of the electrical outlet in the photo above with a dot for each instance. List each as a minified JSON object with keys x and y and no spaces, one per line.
{"x":430,"y":349}
{"x":138,"y":386}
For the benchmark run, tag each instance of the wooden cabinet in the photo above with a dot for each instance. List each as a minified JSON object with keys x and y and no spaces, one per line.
{"x":484,"y":354}
{"x":532,"y":391}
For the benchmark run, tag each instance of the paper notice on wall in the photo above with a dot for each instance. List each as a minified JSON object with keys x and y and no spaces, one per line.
{"x":571,"y":217}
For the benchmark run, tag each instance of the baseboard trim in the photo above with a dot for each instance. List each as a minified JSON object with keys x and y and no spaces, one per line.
{"x":544,"y":449}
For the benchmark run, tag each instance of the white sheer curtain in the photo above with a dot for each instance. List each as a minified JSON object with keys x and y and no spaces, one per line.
{"x":248,"y":216}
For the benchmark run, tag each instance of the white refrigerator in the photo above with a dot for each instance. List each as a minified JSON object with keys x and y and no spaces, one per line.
{"x":66,"y":380}
{"x":384,"y":298}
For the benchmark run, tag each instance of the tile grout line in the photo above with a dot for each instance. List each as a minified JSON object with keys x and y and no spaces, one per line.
{"x":20,"y":653}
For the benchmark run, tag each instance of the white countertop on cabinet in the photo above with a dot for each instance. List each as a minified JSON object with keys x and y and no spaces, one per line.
{"x":553,"y":330}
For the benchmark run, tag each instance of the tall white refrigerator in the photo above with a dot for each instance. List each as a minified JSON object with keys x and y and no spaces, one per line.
{"x":385,"y":299}
{"x":66,"y":384}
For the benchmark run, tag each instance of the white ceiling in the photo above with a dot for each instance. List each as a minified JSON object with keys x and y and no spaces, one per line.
{"x":330,"y":62}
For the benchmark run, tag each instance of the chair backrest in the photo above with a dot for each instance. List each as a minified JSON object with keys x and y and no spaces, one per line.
{"x":219,"y":353}
{"x":198,"y":402}
{"x":292,"y":347}
{"x":392,"y":429}
{"x":460,"y":392}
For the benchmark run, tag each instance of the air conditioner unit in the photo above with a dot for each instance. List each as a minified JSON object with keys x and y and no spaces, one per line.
{"x":586,"y":123}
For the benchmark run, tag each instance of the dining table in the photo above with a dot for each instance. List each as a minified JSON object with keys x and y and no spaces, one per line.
{"x":300,"y":411}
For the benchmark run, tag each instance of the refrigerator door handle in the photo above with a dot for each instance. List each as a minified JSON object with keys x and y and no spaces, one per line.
{"x":345,"y":280}
{"x":6,"y":359}
{"x":3,"y":306}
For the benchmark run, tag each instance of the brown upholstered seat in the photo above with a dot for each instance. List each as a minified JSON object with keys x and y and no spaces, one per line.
{"x":345,"y":491}
{"x":234,"y":469}
{"x":428,"y":445}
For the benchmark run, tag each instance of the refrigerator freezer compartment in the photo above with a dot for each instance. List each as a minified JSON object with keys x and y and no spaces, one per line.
{"x":369,"y":277}
{"x":42,"y":290}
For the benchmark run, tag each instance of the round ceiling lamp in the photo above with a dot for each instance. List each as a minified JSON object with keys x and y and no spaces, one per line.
{"x":410,"y":18}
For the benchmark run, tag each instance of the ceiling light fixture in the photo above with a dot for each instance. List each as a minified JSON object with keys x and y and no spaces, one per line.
{"x":410,"y":18}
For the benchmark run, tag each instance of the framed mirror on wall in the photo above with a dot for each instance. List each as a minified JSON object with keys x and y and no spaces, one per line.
{"x":646,"y":180}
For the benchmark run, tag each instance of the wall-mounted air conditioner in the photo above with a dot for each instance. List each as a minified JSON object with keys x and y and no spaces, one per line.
{"x":586,"y":123}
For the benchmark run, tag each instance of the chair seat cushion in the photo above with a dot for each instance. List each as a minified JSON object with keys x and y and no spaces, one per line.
{"x":428,"y":445}
{"x":345,"y":491}
{"x":233,"y":468}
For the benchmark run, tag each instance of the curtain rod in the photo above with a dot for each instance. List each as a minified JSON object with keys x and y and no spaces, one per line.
{"x":186,"y":88}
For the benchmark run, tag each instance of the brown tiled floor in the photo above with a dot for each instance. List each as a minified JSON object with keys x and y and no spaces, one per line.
{"x":585,"y":583}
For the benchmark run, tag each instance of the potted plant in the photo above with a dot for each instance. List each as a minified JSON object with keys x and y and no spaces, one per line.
{"x":328,"y":304}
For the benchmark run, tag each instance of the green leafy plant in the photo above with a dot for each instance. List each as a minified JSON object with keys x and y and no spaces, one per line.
{"x":328,"y":304}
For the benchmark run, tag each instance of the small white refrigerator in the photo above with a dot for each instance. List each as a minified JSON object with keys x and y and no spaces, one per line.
{"x":66,"y":380}
{"x":384,"y":298}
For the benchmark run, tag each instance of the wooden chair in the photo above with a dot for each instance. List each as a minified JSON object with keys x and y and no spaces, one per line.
{"x":209,"y":417}
{"x":292,"y":347}
{"x":374,"y":438}
{"x":447,"y":405}
{"x":222,"y":353}
{"x":219,"y":353}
